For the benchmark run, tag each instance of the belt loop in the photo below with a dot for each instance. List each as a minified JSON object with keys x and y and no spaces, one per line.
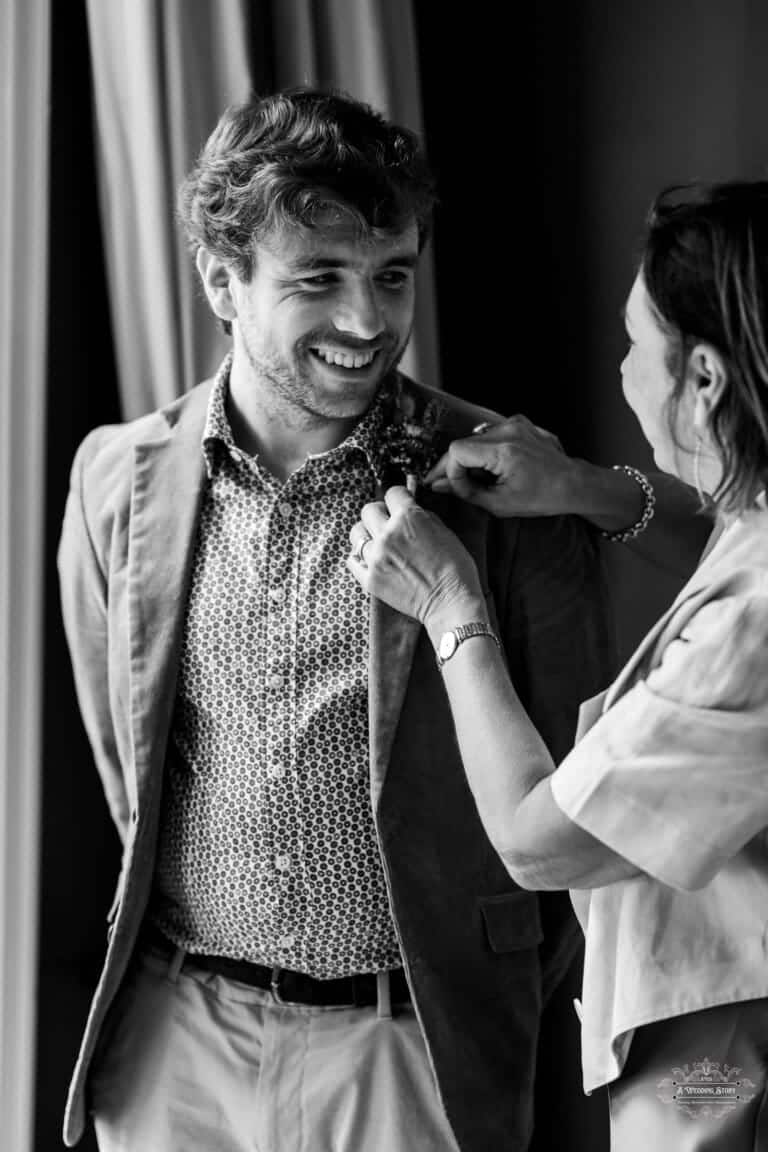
{"x":174,"y":968}
{"x":383,"y":996}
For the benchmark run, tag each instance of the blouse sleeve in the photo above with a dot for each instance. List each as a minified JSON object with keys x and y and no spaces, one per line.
{"x":674,"y":776}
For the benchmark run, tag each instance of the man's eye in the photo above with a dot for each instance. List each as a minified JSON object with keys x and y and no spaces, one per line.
{"x":394,"y":278}
{"x":321,"y":280}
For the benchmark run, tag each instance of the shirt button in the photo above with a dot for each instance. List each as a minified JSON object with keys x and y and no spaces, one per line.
{"x":282,"y":863}
{"x":287,"y":941}
{"x":276,"y":772}
{"x":277,"y":595}
{"x":285,"y":509}
{"x":276,"y":681}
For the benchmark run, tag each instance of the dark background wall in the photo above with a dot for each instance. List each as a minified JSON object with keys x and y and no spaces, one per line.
{"x":549,"y":137}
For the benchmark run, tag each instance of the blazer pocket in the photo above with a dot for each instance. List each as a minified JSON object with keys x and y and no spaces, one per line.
{"x":512,"y":921}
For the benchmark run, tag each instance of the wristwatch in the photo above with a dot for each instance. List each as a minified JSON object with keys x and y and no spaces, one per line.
{"x":450,"y":640}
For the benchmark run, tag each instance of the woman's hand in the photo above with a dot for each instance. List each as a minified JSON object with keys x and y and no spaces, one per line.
{"x":513,"y":468}
{"x":407,"y":557}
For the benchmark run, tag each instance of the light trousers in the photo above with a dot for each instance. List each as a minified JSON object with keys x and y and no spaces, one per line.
{"x":194,"y":1062}
{"x":695,"y":1083}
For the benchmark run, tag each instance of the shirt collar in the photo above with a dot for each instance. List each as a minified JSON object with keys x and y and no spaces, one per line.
{"x":217,"y":430}
{"x":365,"y":437}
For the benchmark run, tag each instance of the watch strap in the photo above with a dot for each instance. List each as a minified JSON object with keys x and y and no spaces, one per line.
{"x":463,"y":632}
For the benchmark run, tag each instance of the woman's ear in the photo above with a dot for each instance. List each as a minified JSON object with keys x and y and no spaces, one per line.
{"x":707,"y":378}
{"x":216,"y":277}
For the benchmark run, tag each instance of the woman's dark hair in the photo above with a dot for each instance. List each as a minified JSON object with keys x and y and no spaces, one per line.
{"x":283,"y":161}
{"x":705,"y":269}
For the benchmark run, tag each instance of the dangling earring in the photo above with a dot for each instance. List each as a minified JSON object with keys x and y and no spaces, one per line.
{"x":697,"y":468}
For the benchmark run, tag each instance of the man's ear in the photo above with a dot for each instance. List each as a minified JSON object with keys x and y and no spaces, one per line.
{"x":707,"y":378}
{"x":216,"y":277}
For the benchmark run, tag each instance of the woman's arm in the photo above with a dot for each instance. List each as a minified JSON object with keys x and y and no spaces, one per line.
{"x":508,"y":769}
{"x":415,"y":564}
{"x":518,"y":469}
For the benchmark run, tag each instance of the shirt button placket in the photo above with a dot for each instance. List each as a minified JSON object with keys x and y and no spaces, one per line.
{"x":277,"y":679}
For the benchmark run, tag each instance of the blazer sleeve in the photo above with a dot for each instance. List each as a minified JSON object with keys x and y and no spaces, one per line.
{"x":557,"y":630}
{"x":83,"y":587}
{"x":673,"y":775}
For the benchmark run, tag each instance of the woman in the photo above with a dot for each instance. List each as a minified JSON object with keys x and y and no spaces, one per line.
{"x":657,"y":818}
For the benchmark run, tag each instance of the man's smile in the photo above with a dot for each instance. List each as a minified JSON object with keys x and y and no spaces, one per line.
{"x":345,"y":358}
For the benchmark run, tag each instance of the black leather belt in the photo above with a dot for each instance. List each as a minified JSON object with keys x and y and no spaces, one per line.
{"x":286,"y":986}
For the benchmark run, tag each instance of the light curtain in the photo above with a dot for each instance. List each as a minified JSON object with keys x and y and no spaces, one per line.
{"x":24,"y":128}
{"x":163,"y":73}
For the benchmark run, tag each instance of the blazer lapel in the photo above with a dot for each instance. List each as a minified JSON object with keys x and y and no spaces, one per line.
{"x":168,"y":478}
{"x":394,"y":637}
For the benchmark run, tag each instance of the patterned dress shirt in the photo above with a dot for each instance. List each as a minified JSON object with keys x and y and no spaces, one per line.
{"x":268,"y":850}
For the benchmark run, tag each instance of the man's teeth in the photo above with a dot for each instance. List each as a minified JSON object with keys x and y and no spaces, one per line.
{"x":345,"y":359}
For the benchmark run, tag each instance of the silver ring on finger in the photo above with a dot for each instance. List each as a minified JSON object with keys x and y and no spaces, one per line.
{"x":359,"y":550}
{"x":479,"y":429}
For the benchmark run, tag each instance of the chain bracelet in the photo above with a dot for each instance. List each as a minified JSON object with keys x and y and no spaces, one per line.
{"x":649,"y":506}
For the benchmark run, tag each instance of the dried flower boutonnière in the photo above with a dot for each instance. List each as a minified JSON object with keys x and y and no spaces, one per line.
{"x":410,"y":442}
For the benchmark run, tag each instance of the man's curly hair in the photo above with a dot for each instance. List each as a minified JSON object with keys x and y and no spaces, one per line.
{"x":283,"y":161}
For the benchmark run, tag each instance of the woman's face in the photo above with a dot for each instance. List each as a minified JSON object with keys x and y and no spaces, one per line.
{"x":648,"y":387}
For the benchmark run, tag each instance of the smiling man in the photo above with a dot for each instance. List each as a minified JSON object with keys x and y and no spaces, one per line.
{"x":313,"y":946}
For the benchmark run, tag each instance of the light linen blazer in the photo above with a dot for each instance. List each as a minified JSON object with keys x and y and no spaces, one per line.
{"x":672,"y":773}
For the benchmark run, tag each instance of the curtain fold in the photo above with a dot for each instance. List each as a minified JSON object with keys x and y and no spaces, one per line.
{"x":162,"y":76}
{"x":160,"y":72}
{"x":24,"y":126}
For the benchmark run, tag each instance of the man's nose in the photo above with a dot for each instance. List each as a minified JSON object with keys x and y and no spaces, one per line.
{"x":359,"y":312}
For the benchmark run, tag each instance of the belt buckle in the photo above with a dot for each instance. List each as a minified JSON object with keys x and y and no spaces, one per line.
{"x":274,"y":987}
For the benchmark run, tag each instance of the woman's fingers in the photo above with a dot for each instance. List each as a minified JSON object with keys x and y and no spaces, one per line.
{"x":490,"y":434}
{"x":358,"y":538}
{"x":512,"y":468}
{"x":375,"y":517}
{"x":436,"y":474}
{"x":490,"y":451}
{"x":398,"y":499}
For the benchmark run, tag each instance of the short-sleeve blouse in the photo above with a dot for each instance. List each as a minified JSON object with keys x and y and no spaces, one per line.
{"x":673,"y":776}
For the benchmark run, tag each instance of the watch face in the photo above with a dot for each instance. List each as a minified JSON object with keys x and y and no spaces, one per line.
{"x":448,"y":644}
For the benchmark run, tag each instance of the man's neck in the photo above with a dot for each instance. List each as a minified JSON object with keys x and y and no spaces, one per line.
{"x":282,"y":435}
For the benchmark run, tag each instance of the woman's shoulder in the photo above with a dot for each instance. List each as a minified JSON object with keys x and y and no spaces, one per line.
{"x":739,"y":556}
{"x":719,"y":658}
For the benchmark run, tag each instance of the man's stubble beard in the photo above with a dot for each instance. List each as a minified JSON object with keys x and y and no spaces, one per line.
{"x":294,"y":394}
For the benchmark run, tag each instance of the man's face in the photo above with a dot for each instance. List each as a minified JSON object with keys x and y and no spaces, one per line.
{"x":326,"y":315}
